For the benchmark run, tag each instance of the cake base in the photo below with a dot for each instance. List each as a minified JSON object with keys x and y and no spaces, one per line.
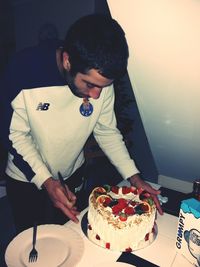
{"x":143,"y":243}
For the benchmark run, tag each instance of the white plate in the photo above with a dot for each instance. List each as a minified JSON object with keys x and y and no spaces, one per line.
{"x":57,"y":245}
{"x":113,"y":264}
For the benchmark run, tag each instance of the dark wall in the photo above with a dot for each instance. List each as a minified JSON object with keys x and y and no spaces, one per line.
{"x":7,"y":32}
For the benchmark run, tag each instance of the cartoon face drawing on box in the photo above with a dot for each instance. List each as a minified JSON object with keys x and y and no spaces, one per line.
{"x":192,"y":238}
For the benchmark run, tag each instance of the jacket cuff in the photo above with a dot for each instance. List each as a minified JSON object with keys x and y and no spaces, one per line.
{"x":42,"y":175}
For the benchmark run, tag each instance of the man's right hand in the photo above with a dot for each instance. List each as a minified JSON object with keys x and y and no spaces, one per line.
{"x":62,"y":198}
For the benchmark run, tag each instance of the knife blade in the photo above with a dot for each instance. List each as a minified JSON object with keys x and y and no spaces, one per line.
{"x":61,"y":180}
{"x":71,"y":198}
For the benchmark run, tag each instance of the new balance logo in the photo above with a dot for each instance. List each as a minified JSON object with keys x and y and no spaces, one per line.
{"x":43,"y":106}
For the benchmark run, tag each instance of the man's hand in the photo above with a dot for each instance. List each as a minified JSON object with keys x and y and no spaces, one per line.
{"x":136,"y":181}
{"x":62,"y":198}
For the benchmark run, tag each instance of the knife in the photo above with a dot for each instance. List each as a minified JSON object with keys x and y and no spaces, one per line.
{"x":61,"y":180}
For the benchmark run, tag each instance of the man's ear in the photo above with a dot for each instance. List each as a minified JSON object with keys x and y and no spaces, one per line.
{"x":66,"y":63}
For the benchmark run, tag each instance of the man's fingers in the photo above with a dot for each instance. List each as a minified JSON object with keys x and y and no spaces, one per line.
{"x":66,"y":204}
{"x":71,"y":195}
{"x":154,"y":191}
{"x":62,"y":198}
{"x":154,"y":194}
{"x":66,"y":197}
{"x":71,"y":213}
{"x":158,"y":206}
{"x":139,"y":183}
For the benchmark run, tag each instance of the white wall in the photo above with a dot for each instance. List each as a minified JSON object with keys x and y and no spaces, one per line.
{"x":164,"y":66}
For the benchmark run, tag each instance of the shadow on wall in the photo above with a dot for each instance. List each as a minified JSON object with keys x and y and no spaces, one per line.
{"x":48,"y":31}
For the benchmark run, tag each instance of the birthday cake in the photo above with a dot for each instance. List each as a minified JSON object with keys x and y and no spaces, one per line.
{"x":121,"y":218}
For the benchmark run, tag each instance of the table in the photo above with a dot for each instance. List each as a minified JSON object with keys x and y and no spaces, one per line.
{"x":161,"y":252}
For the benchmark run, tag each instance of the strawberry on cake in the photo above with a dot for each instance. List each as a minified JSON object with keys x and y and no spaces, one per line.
{"x":121,"y":218}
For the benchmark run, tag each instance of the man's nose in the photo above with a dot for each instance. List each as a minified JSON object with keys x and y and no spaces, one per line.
{"x":95,"y":92}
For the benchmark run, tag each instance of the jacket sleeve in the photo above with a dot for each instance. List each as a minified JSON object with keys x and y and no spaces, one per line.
{"x":22,"y":141}
{"x":110,"y":139}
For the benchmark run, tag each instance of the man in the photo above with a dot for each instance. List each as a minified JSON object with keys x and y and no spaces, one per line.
{"x":56,"y":97}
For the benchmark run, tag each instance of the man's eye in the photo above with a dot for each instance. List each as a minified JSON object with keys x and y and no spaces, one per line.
{"x":89,"y":85}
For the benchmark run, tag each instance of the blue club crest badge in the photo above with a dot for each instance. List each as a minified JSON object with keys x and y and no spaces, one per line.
{"x":86,"y":108}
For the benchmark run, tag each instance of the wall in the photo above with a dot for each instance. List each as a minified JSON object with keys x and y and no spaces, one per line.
{"x":164,"y":41}
{"x":31,"y":15}
{"x":7,"y":38}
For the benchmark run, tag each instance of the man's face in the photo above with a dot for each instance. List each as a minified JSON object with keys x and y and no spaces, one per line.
{"x":84,"y":85}
{"x":87,"y":85}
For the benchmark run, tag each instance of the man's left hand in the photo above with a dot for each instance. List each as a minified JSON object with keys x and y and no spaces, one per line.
{"x":136,"y":181}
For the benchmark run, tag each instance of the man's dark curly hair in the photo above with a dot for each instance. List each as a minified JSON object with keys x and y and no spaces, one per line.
{"x":97,"y":42}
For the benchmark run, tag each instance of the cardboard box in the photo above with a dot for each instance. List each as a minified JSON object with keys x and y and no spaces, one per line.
{"x":188,"y":232}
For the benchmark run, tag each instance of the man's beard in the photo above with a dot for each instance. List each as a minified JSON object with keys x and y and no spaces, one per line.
{"x":70,"y":82}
